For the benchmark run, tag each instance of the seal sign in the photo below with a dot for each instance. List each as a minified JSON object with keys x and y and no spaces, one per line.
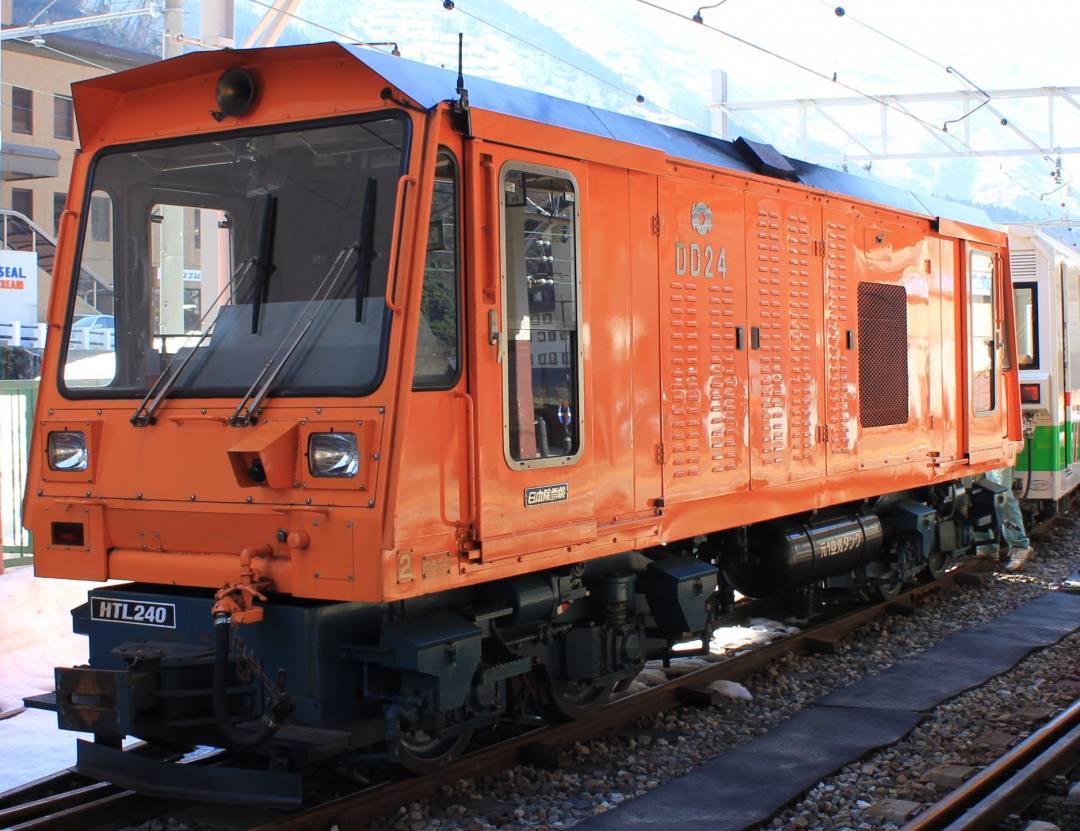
{"x":701,"y":218}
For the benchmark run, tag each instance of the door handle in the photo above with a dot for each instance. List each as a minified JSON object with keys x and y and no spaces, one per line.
{"x":494,"y":335}
{"x":738,"y":338}
{"x":755,"y":337}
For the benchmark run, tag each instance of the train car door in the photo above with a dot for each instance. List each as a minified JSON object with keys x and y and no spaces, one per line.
{"x":896,"y":301}
{"x":534,"y":463}
{"x":1070,"y":294}
{"x":985,"y":344}
{"x":703,"y":340}
{"x":785,"y":293}
{"x":841,"y":330}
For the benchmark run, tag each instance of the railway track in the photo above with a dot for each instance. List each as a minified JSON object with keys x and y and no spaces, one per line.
{"x":67,"y":800}
{"x":1011,"y":783}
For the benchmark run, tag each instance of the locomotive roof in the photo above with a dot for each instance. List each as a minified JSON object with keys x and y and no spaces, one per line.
{"x":429,"y":85}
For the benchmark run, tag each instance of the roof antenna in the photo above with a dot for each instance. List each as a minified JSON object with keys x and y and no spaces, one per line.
{"x":461,"y":116}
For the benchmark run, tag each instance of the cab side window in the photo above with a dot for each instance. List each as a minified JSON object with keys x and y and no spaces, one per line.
{"x":438,"y":350}
{"x":542,"y":322}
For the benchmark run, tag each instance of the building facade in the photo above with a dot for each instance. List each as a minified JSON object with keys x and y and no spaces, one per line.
{"x":37,"y":125}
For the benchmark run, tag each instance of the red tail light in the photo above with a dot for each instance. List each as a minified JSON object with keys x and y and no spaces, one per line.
{"x":67,"y":533}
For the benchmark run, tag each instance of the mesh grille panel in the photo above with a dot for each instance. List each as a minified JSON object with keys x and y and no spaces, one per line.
{"x":883,"y":349}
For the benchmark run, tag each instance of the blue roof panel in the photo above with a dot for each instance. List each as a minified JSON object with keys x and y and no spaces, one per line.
{"x":428,"y":85}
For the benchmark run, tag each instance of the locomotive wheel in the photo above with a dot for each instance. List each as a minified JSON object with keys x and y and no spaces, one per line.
{"x":889,"y":590}
{"x":573,"y":700}
{"x":936,"y":564}
{"x":420,"y":752}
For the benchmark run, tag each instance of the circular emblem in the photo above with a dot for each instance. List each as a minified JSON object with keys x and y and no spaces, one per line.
{"x":701,"y":218}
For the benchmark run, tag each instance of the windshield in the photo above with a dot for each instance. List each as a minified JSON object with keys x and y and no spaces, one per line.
{"x":237,"y":238}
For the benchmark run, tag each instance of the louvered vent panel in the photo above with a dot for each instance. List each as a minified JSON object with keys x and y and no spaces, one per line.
{"x":883,"y":350}
{"x":1022,"y":263}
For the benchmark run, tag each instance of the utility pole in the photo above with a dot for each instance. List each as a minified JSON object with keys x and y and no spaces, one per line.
{"x":171,"y":260}
{"x":216,"y":21}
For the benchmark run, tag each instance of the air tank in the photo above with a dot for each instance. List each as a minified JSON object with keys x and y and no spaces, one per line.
{"x":781,"y":556}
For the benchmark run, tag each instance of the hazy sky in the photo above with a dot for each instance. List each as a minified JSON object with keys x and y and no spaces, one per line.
{"x":606,"y":52}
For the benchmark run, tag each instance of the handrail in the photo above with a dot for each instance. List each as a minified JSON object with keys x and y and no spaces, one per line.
{"x":390,"y":292}
{"x":494,"y":266}
{"x":465,"y":518}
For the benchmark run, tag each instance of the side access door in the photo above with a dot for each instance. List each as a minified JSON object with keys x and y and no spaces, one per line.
{"x":534,"y":468}
{"x":787,"y":373}
{"x":984,"y":341}
{"x":703,"y":363}
{"x":841,"y":278}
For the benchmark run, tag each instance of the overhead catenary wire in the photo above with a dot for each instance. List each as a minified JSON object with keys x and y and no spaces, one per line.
{"x":637,"y":96}
{"x":347,"y":38}
{"x":79,"y":58}
{"x":640,"y":99}
{"x":270,"y":7}
{"x":840,"y":12}
{"x":950,"y":69}
{"x":835,"y":80}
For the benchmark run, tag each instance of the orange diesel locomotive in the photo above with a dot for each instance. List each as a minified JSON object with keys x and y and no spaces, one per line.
{"x":425,"y":406}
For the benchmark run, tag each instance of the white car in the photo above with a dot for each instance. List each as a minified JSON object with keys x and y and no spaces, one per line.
{"x":93,"y":332}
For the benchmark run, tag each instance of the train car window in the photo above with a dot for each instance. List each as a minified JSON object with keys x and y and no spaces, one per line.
{"x":883,"y":354}
{"x":983,"y":339}
{"x":1025,"y":301}
{"x":223,"y":248}
{"x":543,"y":373}
{"x":92,"y":333}
{"x":437,"y":342}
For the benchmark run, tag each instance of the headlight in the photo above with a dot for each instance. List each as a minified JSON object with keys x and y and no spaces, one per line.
{"x":333,"y":454}
{"x":67,"y":451}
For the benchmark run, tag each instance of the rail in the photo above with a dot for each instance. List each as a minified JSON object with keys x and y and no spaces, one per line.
{"x":66,"y":799}
{"x":1010,"y":783}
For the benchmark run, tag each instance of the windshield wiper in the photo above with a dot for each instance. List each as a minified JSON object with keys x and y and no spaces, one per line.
{"x":246,"y":412}
{"x":367,"y":248}
{"x":144,"y":413}
{"x":265,"y":254}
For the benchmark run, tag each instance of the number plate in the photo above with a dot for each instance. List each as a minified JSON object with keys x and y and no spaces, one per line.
{"x":139,"y":612}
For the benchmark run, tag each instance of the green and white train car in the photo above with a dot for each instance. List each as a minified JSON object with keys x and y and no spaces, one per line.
{"x":1046,"y":287}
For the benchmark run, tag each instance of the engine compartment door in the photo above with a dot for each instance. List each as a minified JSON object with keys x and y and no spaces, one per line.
{"x":703,"y":340}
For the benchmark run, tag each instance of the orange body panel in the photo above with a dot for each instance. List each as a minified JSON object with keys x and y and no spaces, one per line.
{"x":719,"y":338}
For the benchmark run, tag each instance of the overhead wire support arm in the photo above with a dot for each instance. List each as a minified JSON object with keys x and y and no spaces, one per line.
{"x":37,"y":30}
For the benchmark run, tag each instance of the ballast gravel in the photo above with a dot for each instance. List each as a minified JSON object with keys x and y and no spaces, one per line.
{"x":966,"y":731}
